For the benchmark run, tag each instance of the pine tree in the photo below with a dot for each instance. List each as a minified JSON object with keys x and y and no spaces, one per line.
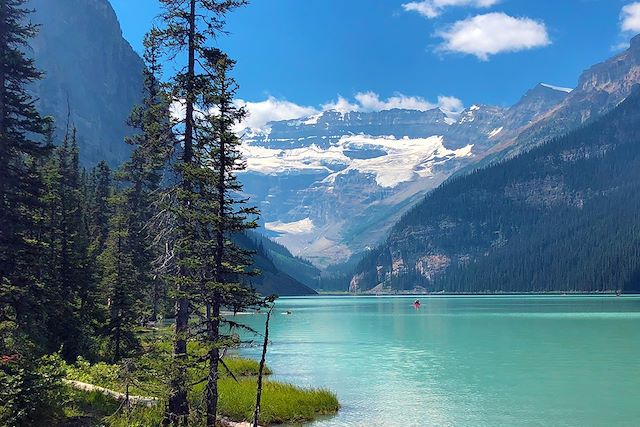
{"x":27,"y":387}
{"x":219,"y":152}
{"x":153,"y":144}
{"x":20,"y":182}
{"x":120,"y":283}
{"x":187,"y":27}
{"x":208,"y":265}
{"x":98,"y":208}
{"x":70,"y":290}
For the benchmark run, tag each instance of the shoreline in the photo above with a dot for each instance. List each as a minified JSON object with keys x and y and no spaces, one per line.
{"x":444,"y":294}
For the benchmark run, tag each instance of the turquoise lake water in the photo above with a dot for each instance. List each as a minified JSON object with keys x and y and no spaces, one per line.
{"x":463,"y":361}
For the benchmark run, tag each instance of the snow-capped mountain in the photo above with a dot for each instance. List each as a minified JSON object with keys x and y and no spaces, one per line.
{"x":331,"y":184}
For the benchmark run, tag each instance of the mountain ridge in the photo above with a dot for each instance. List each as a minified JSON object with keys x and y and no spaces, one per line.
{"x":349,"y":176}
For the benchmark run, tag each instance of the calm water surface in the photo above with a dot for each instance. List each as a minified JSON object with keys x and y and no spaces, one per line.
{"x":464,"y":361}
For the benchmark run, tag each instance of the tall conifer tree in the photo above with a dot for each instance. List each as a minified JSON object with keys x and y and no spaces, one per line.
{"x":20,"y":182}
{"x":153,"y":145}
{"x":186,"y":29}
{"x":120,"y":286}
{"x":219,"y":153}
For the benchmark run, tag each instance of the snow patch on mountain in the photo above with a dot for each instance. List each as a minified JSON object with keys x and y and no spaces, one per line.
{"x":406,"y":158}
{"x":302,"y":226}
{"x":495,"y":132}
{"x":271,"y":161}
{"x":558,"y":88}
{"x":312,"y":120}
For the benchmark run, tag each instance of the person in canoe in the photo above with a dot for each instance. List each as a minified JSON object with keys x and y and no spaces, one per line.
{"x":416,"y":304}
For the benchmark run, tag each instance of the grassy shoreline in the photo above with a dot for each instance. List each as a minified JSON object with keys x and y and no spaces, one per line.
{"x":282,"y":403}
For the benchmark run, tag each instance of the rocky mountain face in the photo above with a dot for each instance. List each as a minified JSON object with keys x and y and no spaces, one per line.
{"x":600,"y":88}
{"x":561,"y":217}
{"x":330,"y":185}
{"x":92,"y":73}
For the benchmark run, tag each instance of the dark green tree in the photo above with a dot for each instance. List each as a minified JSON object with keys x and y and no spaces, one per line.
{"x":120,"y":283}
{"x":70,"y":291}
{"x":20,"y":183}
{"x":187,"y":27}
{"x":218,"y":154}
{"x":98,"y":208}
{"x":25,"y":388}
{"x":153,"y":144}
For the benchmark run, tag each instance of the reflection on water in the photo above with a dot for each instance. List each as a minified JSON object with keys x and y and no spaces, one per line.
{"x":464,"y":361}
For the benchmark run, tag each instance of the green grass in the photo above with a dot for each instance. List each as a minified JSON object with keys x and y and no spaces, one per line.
{"x":94,"y":409}
{"x":281,"y":403}
{"x":87,"y":408}
{"x":242,"y":367}
{"x":102,"y":374}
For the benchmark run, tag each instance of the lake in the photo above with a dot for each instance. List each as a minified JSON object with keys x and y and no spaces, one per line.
{"x":463,"y":360}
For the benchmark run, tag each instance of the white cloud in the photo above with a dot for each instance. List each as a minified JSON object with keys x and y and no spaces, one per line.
{"x":433,"y":8}
{"x":450,"y":104}
{"x":630,"y":17}
{"x":272,"y":109}
{"x":371,"y":101}
{"x":342,"y":105}
{"x":492,"y":33}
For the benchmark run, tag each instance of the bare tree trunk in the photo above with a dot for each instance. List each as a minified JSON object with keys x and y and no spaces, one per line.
{"x":256,"y":414}
{"x":214,"y":357}
{"x":155,"y":300}
{"x":178,"y":405}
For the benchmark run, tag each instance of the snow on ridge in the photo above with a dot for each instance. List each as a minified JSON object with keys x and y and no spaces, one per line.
{"x":495,"y":132}
{"x":312,"y":120}
{"x":270,"y":161}
{"x":558,"y":88}
{"x":406,"y":158}
{"x":302,"y":226}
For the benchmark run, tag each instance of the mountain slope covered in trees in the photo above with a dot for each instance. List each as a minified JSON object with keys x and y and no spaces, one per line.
{"x":563,"y":217}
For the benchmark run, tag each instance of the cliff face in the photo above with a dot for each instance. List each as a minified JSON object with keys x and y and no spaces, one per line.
{"x":91,"y":71}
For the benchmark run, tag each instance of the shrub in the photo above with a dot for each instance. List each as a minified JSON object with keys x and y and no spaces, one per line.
{"x":31,"y":390}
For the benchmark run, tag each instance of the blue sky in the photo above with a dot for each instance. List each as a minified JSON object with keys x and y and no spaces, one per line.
{"x":307,"y":53}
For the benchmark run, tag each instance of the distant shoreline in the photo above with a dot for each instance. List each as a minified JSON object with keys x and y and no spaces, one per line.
{"x":429,"y":294}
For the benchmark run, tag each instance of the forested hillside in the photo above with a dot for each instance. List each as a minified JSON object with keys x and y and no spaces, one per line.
{"x":299,"y":268}
{"x":562,"y":217}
